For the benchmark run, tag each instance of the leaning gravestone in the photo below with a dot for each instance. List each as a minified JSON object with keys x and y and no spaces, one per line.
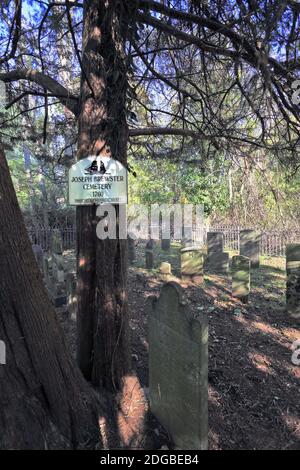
{"x":293,"y":280}
{"x":178,"y":369}
{"x":165,"y":244}
{"x":47,"y":269}
{"x":54,"y":266}
{"x":241,"y":277}
{"x":215,"y":242}
{"x":131,"y":250}
{"x":217,"y":261}
{"x":165,"y":271}
{"x":56,"y":242}
{"x":250,"y":246}
{"x":149,"y":254}
{"x":39,"y":256}
{"x":58,"y":267}
{"x":187,"y":240}
{"x":192,"y":264}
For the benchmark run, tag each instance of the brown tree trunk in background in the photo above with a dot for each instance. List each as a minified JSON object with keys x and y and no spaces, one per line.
{"x":44,"y":400}
{"x":103,"y":349}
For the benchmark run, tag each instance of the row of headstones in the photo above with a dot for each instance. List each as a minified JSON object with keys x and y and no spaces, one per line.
{"x":61,"y":286}
{"x":192,"y":266}
{"x":52,"y":267}
{"x":249,"y":259}
{"x":178,"y":353}
{"x":165,"y":245}
{"x":217,"y":260}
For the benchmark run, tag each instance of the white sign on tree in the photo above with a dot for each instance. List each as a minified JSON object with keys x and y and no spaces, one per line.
{"x":96,"y":180}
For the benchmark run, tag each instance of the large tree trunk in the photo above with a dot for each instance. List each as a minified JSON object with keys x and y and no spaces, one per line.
{"x":103,"y":350}
{"x":44,"y":400}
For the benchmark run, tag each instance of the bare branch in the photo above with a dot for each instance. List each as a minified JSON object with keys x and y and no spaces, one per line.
{"x":189,"y":38}
{"x":17,"y":21}
{"x":48,"y":83}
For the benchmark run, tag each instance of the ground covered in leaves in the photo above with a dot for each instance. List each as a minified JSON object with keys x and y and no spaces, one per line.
{"x":254,"y":399}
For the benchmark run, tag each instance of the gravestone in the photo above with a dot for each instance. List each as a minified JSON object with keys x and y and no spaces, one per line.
{"x":39,"y":256}
{"x":192,"y":264}
{"x":293,"y":280}
{"x":56,"y":242}
{"x":165,"y":244}
{"x":187,"y":240}
{"x":165,"y":271}
{"x":131,"y":250}
{"x":178,"y":368}
{"x":55,"y":279}
{"x":47,"y":269}
{"x":149,"y":254}
{"x":215,"y":242}
{"x":58,"y":267}
{"x":71,"y":295}
{"x":241,"y":277}
{"x":216,"y":261}
{"x":250,"y":246}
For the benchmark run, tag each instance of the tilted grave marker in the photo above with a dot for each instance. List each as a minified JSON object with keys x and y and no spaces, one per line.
{"x":192,"y":264}
{"x":178,"y":368}
{"x":149,"y":254}
{"x":241,"y":277}
{"x":216,"y":261}
{"x":250,"y":246}
{"x":165,"y":271}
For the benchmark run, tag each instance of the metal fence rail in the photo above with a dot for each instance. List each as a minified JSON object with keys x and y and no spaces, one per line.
{"x":273,"y":243}
{"x":43,"y":236}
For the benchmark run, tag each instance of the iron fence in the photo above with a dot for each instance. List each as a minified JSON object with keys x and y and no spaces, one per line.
{"x":42,"y":236}
{"x":273,"y":243}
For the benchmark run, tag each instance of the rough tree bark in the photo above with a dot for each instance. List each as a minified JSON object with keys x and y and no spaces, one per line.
{"x":103,"y":349}
{"x":44,"y":400}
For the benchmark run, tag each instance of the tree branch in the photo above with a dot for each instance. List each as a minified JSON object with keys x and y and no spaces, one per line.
{"x":46,"y":82}
{"x":17,"y":21}
{"x":166,"y":131}
{"x":238,"y":40}
{"x":189,"y":38}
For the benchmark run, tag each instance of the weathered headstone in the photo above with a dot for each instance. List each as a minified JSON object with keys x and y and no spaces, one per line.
{"x":192,"y":264}
{"x":131,"y":250}
{"x":217,"y":263}
{"x":56,"y":242}
{"x":58,"y":268}
{"x":39,"y":256}
{"x":55,"y":278}
{"x":165,"y":271}
{"x":47,"y":269}
{"x":149,"y":254}
{"x":250,"y":246}
{"x":187,"y":240}
{"x":293,"y":280}
{"x":165,"y":244}
{"x":178,"y":369}
{"x":71,"y":295}
{"x":241,"y":277}
{"x":215,"y":242}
